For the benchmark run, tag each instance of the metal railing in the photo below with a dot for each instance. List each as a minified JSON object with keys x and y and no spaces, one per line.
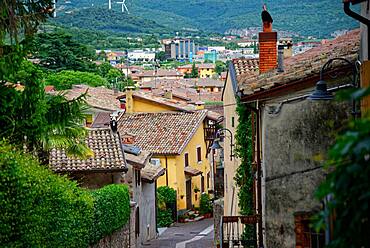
{"x":234,"y":231}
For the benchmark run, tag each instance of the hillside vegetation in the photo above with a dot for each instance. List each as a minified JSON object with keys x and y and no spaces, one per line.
{"x":306,"y":17}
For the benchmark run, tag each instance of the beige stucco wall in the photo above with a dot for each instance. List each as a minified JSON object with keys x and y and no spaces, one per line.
{"x":231,"y":191}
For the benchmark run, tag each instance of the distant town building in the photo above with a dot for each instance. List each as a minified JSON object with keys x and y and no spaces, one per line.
{"x":179,"y":49}
{"x":140,"y":55}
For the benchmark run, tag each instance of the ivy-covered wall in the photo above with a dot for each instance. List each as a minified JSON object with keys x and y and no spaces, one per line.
{"x":244,"y":175}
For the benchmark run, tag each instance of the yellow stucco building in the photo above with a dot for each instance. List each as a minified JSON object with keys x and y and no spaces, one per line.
{"x":231,"y":201}
{"x":175,"y":135}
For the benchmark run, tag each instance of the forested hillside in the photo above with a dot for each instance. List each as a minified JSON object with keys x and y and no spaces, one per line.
{"x":306,"y":17}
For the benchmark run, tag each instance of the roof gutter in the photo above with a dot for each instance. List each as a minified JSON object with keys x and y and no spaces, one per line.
{"x":360,"y":18}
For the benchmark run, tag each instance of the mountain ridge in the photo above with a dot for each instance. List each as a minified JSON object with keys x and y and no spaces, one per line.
{"x":305,"y":17}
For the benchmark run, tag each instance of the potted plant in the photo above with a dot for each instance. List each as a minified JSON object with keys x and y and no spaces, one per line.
{"x":181,"y":218}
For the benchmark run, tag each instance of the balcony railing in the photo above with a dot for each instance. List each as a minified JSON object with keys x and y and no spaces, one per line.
{"x":234,"y":229}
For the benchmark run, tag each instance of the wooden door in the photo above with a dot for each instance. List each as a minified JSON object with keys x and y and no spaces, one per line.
{"x":189,"y":204}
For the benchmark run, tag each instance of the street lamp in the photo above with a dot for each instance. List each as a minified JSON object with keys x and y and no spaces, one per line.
{"x":321,"y":92}
{"x":216,"y":143}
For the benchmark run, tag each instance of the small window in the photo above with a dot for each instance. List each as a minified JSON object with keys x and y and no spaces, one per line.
{"x":199,"y":154}
{"x":186,"y":158}
{"x":233,"y":121}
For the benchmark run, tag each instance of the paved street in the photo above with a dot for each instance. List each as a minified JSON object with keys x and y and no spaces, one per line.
{"x":188,"y":235}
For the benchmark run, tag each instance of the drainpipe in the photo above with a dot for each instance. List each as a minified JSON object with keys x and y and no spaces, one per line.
{"x":166,"y":171}
{"x":259,"y":175}
{"x":360,"y":18}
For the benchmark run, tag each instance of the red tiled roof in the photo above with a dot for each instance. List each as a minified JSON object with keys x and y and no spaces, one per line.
{"x":245,"y":66}
{"x":160,"y":73}
{"x":304,"y":65}
{"x":108,"y":154}
{"x":162,"y":133}
{"x":98,"y":97}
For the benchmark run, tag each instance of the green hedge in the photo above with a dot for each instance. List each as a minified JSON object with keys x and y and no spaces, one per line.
{"x":112,"y":210}
{"x":41,"y":209}
{"x":205,"y":206}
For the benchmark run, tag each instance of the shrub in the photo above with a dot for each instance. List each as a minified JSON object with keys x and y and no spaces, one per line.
{"x":111,"y":210}
{"x":205,"y":205}
{"x":42,"y":209}
{"x":66,"y":79}
{"x":166,"y":195}
{"x":39,"y":208}
{"x":164,"y":218}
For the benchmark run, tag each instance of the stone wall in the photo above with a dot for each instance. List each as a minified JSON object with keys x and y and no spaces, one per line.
{"x":218,"y":212}
{"x":295,"y":141}
{"x":122,"y":238}
{"x":148,"y":229}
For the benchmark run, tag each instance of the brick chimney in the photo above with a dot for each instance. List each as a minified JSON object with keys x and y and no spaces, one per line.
{"x":268,"y":48}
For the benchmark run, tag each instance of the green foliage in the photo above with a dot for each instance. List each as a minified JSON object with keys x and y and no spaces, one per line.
{"x":65,"y":79}
{"x":161,"y":56}
{"x":166,"y":195}
{"x":39,"y":208}
{"x":111,"y":210}
{"x":244,"y":174}
{"x":194,"y":72}
{"x":58,"y":51}
{"x":220,"y":67}
{"x":36,"y":121}
{"x":164,"y":218}
{"x":166,"y":198}
{"x":348,"y":184}
{"x":42,"y":209}
{"x":205,"y":205}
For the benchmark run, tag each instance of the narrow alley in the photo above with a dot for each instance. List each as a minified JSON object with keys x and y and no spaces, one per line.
{"x":188,"y":235}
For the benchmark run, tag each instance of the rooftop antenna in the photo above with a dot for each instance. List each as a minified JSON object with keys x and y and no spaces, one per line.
{"x":109,"y":4}
{"x":124,"y":7}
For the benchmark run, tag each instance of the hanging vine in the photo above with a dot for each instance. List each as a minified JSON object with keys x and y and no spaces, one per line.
{"x":244,"y":174}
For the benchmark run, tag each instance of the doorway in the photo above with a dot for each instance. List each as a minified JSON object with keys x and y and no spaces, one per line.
{"x":189,"y":204}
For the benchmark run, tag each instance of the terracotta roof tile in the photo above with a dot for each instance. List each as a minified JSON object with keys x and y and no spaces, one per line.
{"x":152,"y":172}
{"x":99,"y":97}
{"x":304,"y":65}
{"x":108,"y":154}
{"x":161,"y":133}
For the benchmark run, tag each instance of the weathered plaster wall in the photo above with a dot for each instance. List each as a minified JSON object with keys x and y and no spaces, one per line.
{"x":148,"y":222}
{"x":95,"y":180}
{"x":300,"y":132}
{"x":364,"y":42}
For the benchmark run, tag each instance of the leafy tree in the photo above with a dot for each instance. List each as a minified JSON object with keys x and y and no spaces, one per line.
{"x":161,"y":56}
{"x":347,"y":186}
{"x":18,"y":23}
{"x":58,"y":51}
{"x":102,"y":55}
{"x":194,"y":71}
{"x":220,"y":67}
{"x":37,"y":122}
{"x":104,"y":68}
{"x":65,"y":79}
